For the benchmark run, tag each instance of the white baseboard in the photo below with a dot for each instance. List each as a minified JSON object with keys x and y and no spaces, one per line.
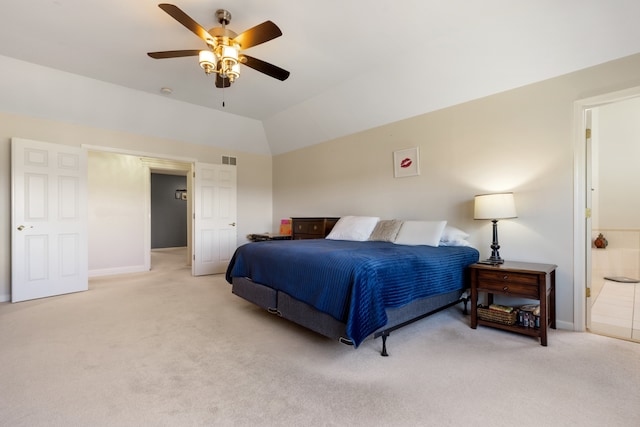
{"x":567,"y":326}
{"x":118,"y":270}
{"x":98,"y":273}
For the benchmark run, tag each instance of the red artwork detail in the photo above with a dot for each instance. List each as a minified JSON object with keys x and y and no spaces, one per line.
{"x":405,"y":163}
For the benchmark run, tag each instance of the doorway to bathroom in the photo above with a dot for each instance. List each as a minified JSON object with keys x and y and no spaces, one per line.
{"x":612,"y":163}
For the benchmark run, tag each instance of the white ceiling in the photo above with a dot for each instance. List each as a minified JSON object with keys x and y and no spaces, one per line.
{"x":355,"y":64}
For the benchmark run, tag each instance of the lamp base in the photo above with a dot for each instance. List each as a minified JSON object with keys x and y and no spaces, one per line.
{"x":495,"y":258}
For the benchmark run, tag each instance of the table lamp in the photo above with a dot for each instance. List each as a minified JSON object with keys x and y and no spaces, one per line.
{"x":494,"y":207}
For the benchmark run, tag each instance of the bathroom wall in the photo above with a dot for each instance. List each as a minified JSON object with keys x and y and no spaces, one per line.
{"x":620,"y":258}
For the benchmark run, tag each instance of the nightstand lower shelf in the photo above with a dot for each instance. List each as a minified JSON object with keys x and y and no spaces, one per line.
{"x":532,"y":332}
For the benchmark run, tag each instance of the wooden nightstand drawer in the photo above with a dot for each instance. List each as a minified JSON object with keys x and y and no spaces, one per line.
{"x":509,"y":283}
{"x":311,"y":228}
{"x":508,"y":277}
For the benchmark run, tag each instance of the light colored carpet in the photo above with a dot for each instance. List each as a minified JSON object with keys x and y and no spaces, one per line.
{"x":166,"y":349}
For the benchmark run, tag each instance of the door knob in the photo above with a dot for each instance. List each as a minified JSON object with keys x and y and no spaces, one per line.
{"x":233,"y":224}
{"x":22,"y":227}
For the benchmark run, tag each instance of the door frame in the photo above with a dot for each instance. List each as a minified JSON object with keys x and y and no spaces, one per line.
{"x":581,"y":235}
{"x":172,"y":167}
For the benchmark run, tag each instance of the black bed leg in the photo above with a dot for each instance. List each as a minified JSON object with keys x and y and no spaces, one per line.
{"x":384,"y":344}
{"x":464,"y":310}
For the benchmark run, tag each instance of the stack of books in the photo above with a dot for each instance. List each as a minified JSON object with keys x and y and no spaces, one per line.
{"x":529,"y":316}
{"x":502,"y":308}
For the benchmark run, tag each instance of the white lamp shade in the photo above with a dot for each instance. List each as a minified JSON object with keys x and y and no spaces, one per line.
{"x":494,"y":206}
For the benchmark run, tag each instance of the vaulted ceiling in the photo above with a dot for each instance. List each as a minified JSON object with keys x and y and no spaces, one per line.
{"x":354,"y":64}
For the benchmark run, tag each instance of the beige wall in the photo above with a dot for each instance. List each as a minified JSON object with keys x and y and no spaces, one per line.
{"x":521,"y":141}
{"x":117,"y":213}
{"x":617,"y":158}
{"x":254,"y":172}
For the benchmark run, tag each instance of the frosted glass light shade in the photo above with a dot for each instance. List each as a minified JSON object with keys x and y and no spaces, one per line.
{"x":207,"y":60}
{"x":229,"y":53}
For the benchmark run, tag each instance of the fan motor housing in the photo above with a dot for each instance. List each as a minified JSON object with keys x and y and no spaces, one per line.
{"x":223,"y":17}
{"x":222,"y":32}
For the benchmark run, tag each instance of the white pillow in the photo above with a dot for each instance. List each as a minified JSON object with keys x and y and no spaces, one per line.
{"x":459,"y":242}
{"x":356,"y":228}
{"x":453,"y":234}
{"x":420,"y":233}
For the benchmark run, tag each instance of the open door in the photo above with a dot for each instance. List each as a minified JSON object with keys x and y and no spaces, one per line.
{"x":589,"y":212}
{"x":49,"y":252}
{"x":214,"y":219}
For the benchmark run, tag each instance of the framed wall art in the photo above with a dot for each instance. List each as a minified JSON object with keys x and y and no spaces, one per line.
{"x":406,"y":162}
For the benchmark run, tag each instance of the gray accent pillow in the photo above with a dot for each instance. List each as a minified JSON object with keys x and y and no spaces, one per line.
{"x":386,"y":230}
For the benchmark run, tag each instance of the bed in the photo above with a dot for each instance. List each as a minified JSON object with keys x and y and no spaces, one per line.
{"x":351,"y":290}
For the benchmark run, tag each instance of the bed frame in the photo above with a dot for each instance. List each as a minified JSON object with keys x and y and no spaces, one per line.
{"x":284,"y":305}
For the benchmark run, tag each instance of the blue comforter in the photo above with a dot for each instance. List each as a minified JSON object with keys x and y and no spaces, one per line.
{"x":353,"y":281}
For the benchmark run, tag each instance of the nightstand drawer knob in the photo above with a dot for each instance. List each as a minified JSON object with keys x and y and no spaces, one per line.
{"x":506,"y":289}
{"x":506,"y":277}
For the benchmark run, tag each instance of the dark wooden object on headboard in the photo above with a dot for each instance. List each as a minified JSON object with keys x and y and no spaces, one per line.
{"x":312,"y":228}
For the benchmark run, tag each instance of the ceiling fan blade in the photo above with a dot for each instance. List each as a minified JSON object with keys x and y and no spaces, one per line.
{"x":259,"y":34}
{"x":264,"y":67}
{"x":222,"y":82}
{"x":176,"y":13}
{"x":173,"y":54}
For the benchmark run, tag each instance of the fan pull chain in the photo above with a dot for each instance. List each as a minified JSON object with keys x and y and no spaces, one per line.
{"x":223,"y":96}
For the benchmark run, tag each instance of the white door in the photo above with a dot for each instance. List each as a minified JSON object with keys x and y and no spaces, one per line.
{"x":214,"y":219}
{"x":49,"y":219}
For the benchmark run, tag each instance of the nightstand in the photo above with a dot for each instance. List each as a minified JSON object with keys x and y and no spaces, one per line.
{"x":520,"y":280}
{"x":312,"y":228}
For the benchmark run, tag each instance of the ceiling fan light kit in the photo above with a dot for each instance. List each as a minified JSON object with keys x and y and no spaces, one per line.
{"x":223,"y":54}
{"x":208,"y":61}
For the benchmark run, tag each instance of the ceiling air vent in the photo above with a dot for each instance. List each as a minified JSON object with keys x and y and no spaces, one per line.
{"x":228,"y":160}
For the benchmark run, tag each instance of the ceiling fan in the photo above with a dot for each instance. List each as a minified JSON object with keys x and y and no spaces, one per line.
{"x":222,"y":55}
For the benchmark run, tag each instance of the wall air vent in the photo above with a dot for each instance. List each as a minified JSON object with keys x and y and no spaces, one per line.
{"x":228,"y":160}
